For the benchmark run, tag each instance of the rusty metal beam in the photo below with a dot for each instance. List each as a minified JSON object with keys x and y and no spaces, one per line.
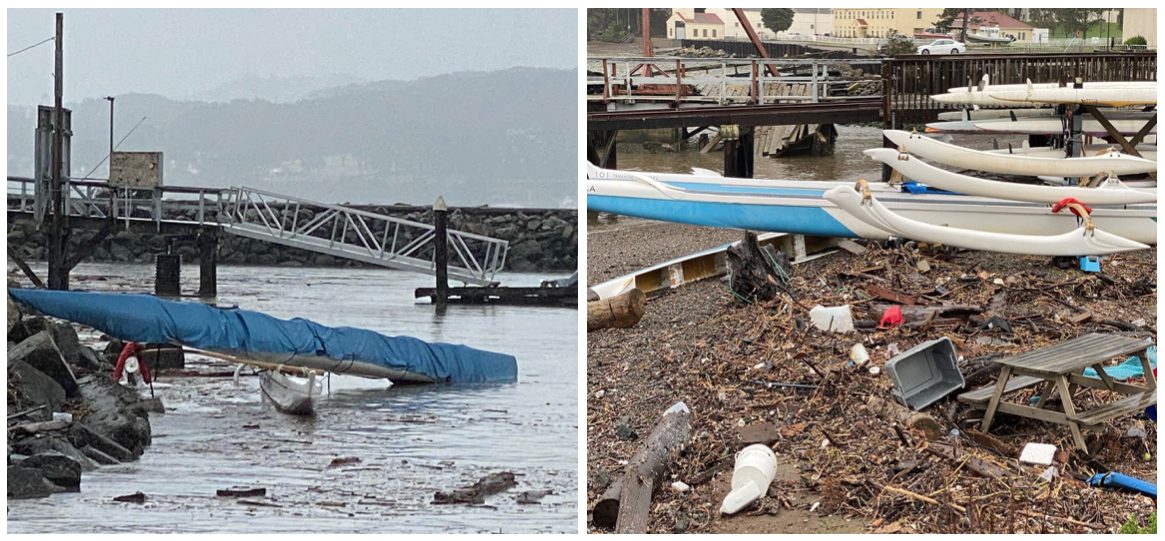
{"x":756,"y":42}
{"x":836,"y":112}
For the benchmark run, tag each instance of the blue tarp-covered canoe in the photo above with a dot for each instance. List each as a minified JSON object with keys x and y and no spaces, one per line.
{"x":297,"y":342}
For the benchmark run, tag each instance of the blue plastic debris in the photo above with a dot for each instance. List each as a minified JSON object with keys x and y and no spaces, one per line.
{"x":1089,"y":263}
{"x":1127,"y":370}
{"x":1120,"y":480}
{"x":916,"y":187}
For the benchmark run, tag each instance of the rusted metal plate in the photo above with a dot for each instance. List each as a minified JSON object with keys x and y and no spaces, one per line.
{"x":136,"y":169}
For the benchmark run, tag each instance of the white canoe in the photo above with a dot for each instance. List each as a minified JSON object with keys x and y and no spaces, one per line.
{"x":290,"y":394}
{"x":1112,"y":192}
{"x":1034,"y":126}
{"x":1111,"y":162}
{"x":1073,"y":243}
{"x":985,"y":93}
{"x":1148,"y":152}
{"x":1133,"y":94}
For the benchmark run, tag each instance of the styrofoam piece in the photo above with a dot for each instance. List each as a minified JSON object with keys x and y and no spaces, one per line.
{"x":1038,"y":453}
{"x":924,"y":374}
{"x":858,"y":354}
{"x":832,"y":318}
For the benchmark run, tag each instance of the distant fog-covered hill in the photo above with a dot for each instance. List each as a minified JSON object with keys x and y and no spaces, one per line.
{"x":498,"y":138}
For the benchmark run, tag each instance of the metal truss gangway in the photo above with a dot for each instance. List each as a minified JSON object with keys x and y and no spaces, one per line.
{"x":336,"y":230}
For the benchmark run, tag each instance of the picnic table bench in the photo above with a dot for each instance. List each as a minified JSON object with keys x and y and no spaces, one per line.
{"x":1059,"y":369}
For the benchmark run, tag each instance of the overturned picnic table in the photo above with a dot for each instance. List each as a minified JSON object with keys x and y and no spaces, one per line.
{"x":1060,"y":369}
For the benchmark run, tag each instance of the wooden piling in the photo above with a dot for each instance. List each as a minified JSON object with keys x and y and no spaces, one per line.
{"x":441,"y":251}
{"x":208,"y":263}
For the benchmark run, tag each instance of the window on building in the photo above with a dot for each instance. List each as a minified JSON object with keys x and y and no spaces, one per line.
{"x":919,"y":14}
{"x":705,"y":32}
{"x":713,"y":33}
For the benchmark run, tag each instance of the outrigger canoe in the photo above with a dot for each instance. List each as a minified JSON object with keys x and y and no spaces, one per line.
{"x":988,"y":95}
{"x":1035,"y":126}
{"x":1148,"y":152}
{"x":801,"y":207}
{"x":1111,"y":162}
{"x":1111,"y":192}
{"x":1131,"y":94}
{"x":291,"y":394}
{"x":1085,"y":240}
{"x":244,"y":335}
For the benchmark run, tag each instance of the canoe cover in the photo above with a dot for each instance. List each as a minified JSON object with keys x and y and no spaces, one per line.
{"x":144,"y":318}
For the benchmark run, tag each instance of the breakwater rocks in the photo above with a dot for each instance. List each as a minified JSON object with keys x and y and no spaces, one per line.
{"x":65,"y":414}
{"x":540,"y":239}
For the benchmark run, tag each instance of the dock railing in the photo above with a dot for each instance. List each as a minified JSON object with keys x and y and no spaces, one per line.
{"x":721,"y":81}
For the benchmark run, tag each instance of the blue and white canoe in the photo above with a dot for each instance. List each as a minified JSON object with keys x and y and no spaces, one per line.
{"x":802,"y":207}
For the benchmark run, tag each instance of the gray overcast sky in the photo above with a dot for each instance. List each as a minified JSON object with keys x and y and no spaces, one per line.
{"x":182,"y":52}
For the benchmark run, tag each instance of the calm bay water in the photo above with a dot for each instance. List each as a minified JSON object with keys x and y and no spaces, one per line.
{"x":411,"y":441}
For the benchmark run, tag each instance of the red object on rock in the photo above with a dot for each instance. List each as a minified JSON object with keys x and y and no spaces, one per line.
{"x":134,"y":349}
{"x":891,"y":317}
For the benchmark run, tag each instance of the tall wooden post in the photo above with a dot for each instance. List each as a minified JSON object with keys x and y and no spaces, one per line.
{"x":441,"y":250}
{"x":208,"y":263}
{"x":59,"y":225}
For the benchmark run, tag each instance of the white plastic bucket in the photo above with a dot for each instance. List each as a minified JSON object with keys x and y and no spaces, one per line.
{"x":755,"y":467}
{"x":756,"y":463}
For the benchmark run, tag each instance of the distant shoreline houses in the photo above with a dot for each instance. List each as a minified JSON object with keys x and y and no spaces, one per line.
{"x":878,"y":23}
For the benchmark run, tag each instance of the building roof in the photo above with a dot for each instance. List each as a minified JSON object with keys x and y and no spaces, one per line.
{"x":707,"y":18}
{"x":813,"y":10}
{"x":862,"y":22}
{"x":991,"y":18}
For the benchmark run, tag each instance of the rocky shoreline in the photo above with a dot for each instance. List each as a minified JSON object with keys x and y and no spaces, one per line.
{"x":66,"y":416}
{"x":540,"y":240}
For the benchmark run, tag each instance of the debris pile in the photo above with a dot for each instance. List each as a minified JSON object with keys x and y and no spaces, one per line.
{"x":761,"y":372}
{"x":66,"y":414}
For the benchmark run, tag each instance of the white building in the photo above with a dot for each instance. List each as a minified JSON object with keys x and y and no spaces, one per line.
{"x":812,"y":21}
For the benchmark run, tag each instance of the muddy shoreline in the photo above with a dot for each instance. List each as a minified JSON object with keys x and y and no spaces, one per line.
{"x":699,"y":345}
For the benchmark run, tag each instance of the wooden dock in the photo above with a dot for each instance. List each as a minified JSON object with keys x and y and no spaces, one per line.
{"x":522,"y":296}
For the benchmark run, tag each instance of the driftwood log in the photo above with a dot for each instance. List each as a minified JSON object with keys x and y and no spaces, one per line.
{"x":622,"y":311}
{"x":647,"y":467}
{"x":893,"y":412}
{"x":606,"y":511}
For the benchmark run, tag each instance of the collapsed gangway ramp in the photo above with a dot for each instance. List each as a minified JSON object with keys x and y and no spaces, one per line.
{"x":368,"y":237}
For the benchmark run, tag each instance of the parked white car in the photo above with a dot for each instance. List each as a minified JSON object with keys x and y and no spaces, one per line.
{"x":942,"y":46}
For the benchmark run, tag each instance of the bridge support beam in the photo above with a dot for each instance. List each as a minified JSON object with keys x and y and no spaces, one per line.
{"x":738,"y":150}
{"x":601,"y":148}
{"x":208,"y":263}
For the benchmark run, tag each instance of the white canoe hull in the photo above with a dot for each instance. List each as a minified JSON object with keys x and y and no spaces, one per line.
{"x":799,"y":207}
{"x":1111,"y":193}
{"x":1148,"y":152}
{"x":291,"y":394}
{"x":1034,"y":126}
{"x":1133,"y":94}
{"x":1010,"y":164}
{"x":985,"y":96}
{"x":1077,"y":242}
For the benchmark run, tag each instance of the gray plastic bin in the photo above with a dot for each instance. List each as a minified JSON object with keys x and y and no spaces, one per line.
{"x":926,"y":373}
